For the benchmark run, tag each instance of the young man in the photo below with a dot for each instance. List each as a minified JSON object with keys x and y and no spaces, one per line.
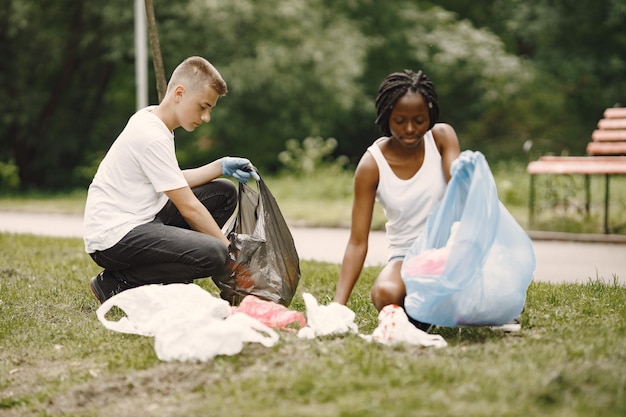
{"x":146,"y":220}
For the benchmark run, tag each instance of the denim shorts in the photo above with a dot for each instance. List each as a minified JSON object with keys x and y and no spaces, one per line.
{"x":395,"y":258}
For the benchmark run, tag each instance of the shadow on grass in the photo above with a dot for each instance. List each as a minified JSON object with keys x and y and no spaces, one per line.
{"x":469,"y":335}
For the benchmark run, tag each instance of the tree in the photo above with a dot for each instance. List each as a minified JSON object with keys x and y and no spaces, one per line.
{"x":505,"y":71}
{"x":288,"y":76}
{"x":578,"y":48}
{"x":476,"y":79}
{"x":155,"y":47}
{"x":60,"y":58}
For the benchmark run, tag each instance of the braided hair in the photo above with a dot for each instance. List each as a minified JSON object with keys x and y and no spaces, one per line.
{"x":397,"y":85}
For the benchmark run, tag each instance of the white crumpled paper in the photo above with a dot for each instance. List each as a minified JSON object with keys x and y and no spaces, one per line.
{"x":393,"y":324}
{"x":187,"y":322}
{"x":333,"y":318}
{"x":394,"y":327}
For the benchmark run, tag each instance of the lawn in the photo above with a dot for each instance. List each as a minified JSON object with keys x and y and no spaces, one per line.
{"x":56,"y":359}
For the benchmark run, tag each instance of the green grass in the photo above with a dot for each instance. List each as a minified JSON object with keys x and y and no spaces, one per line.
{"x":324,"y":199}
{"x":38,"y":202}
{"x":56,"y":359}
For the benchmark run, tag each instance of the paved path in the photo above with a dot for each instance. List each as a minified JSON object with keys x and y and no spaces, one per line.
{"x":558,"y":261}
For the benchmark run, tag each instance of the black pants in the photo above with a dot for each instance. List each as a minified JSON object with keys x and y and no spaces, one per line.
{"x":166,"y":250}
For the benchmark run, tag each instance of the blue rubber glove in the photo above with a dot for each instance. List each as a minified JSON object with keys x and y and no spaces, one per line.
{"x":240,"y":169}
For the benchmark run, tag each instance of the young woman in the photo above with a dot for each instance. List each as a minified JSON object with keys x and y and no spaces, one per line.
{"x":406,"y":171}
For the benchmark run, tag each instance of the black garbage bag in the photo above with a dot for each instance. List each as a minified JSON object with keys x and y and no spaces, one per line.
{"x":264,"y":261}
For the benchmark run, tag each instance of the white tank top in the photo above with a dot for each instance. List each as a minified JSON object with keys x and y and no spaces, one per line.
{"x":407,"y":203}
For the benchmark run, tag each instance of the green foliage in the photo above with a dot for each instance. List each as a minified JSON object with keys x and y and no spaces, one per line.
{"x":576,"y":47}
{"x":60,"y":60}
{"x":58,"y":360}
{"x":288,"y":76}
{"x":506,"y":72}
{"x":9,"y":178}
{"x":313,"y":154}
{"x":314,"y":187}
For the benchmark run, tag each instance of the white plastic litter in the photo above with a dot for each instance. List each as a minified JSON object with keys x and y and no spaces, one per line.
{"x":187,"y":322}
{"x":197,"y":340}
{"x":147,"y":306}
{"x":333,"y":318}
{"x":394,"y":327}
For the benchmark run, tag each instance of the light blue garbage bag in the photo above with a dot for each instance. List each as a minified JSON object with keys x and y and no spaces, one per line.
{"x":485,"y":269}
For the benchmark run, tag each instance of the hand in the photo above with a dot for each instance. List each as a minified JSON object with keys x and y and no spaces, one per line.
{"x":239,"y":168}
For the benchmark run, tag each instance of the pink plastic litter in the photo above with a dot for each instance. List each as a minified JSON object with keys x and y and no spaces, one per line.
{"x":429,"y":262}
{"x":273,"y":315}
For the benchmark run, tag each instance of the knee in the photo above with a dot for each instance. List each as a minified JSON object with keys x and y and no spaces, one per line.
{"x":387,"y":292}
{"x":211,"y":256}
{"x":221,"y":255}
{"x":229,"y":191}
{"x":225,"y":186}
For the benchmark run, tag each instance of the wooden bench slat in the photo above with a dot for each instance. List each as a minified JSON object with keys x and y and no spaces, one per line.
{"x":608,"y":141}
{"x":606,"y":148}
{"x":608,"y":135}
{"x":576,"y":167}
{"x":615,"y":113}
{"x":612,"y":124}
{"x":572,"y":159}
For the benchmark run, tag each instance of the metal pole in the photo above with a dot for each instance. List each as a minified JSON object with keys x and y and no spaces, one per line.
{"x":141,"y":55}
{"x":606,"y":205}
{"x":531,"y":202}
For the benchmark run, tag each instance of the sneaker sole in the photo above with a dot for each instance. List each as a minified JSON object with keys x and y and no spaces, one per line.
{"x":96,"y":291}
{"x":508,"y":328}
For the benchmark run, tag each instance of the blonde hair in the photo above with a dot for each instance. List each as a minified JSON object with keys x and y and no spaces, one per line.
{"x":196,"y":73}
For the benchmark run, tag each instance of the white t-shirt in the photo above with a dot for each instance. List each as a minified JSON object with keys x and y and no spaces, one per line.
{"x":407,"y":203}
{"x":128,"y":188}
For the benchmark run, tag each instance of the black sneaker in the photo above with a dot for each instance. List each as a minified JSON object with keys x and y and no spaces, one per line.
{"x":425,"y":327}
{"x":104,"y":288}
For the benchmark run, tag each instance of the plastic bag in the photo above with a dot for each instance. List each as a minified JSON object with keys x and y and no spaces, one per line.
{"x":488,"y":265}
{"x":147,"y":306}
{"x":266,"y":263}
{"x":188,"y":323}
{"x":194,"y":339}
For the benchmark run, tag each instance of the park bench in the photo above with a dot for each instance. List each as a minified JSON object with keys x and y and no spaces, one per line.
{"x":605,"y":156}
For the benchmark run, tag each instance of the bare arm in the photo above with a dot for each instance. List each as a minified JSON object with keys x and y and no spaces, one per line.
{"x":203,"y":174}
{"x":195,"y":213}
{"x":365,"y":183}
{"x":448,"y":145}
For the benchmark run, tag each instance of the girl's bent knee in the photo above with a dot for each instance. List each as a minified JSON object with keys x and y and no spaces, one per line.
{"x":387,"y":293}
